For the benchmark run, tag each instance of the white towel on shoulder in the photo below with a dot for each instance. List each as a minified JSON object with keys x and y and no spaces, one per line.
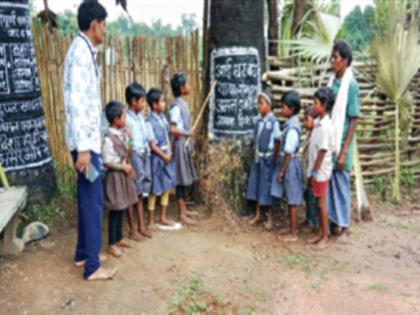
{"x":340,"y":108}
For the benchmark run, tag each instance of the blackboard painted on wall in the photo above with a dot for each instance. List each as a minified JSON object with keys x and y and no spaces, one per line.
{"x":233,"y":107}
{"x":23,"y":135}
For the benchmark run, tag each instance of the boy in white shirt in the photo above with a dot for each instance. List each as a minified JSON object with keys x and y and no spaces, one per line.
{"x":320,"y":160}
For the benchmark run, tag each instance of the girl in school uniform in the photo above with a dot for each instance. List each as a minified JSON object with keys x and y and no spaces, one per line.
{"x":182,"y":131}
{"x":288,"y":176}
{"x":267,"y":143}
{"x":120,"y":188}
{"x":163,"y":167}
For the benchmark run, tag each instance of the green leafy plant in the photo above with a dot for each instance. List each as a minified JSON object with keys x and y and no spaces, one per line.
{"x":397,"y":56}
{"x":193,"y":299}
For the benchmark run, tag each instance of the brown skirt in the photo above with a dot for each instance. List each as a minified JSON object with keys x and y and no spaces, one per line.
{"x":120,"y":191}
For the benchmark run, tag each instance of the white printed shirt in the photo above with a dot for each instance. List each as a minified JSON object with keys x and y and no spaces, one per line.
{"x":82,"y":97}
{"x":109,"y":155}
{"x":321,"y":139}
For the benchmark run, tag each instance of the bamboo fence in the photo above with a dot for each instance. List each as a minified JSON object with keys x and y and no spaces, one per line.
{"x":375,"y":134}
{"x":148,"y":60}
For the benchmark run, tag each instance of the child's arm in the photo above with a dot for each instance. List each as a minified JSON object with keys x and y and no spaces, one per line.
{"x":277,"y":143}
{"x":284,"y":166}
{"x":178,"y":133}
{"x":156,"y":150}
{"x":277,"y":146}
{"x":292,"y":140}
{"x":317,"y":166}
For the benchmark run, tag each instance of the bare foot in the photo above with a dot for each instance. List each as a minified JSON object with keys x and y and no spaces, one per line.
{"x":188,"y":221}
{"x":269,"y":224}
{"x":314,"y":239}
{"x":321,"y":245}
{"x":123,"y":243}
{"x":82,"y":262}
{"x":284,"y":231}
{"x":146,"y":233}
{"x":136,"y":236}
{"x":113,"y":250}
{"x":288,"y":238}
{"x":343,"y":238}
{"x":167,"y":222}
{"x":192,"y":213}
{"x":255,"y":220}
{"x":103,"y":274}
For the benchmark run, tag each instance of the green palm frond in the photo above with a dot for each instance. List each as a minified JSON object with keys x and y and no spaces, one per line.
{"x":397,"y":55}
{"x":317,"y":46}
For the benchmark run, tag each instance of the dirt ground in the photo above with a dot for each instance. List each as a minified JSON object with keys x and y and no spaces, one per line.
{"x":209,"y":269}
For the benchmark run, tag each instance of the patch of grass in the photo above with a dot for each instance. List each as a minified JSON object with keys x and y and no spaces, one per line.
{"x":316,"y":284}
{"x":193,"y":299}
{"x":299,"y":261}
{"x":47,"y":212}
{"x":259,"y":294}
{"x":379,"y":287}
{"x":250,"y":311}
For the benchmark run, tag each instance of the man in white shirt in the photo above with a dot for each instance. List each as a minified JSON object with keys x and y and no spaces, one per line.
{"x":83,"y":107}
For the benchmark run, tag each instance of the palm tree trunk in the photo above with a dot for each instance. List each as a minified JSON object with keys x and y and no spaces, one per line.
{"x":273,"y":28}
{"x":297,"y":16}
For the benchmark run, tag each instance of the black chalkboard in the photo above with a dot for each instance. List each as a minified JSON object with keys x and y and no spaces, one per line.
{"x":23,"y":136}
{"x":233,"y":107}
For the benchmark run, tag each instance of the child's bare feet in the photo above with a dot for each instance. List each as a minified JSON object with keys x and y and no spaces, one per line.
{"x":290,"y":238}
{"x":321,"y":244}
{"x":145,"y":232}
{"x":284,"y":231}
{"x":165,"y":221}
{"x":314,"y":239}
{"x":193,"y":214}
{"x":123,"y":243}
{"x":255,"y":220}
{"x":187,"y":220}
{"x":268,"y":224}
{"x":136,"y":236}
{"x":103,"y":274}
{"x":113,"y":250}
{"x":82,"y":262}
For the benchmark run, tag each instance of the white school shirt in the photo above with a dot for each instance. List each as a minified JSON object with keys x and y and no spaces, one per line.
{"x":321,"y":139}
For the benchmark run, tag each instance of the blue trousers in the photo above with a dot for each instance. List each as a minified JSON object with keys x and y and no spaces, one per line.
{"x":89,"y":218}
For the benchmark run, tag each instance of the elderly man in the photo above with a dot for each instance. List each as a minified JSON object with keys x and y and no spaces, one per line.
{"x":344,"y":118}
{"x":83,"y":123}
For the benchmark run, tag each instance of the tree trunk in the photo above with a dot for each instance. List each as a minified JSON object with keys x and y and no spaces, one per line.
{"x":24,"y":151}
{"x":297,"y":16}
{"x":273,"y":28}
{"x":225,"y":164}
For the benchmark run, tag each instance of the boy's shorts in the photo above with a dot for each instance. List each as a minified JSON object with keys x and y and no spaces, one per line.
{"x":320,"y":189}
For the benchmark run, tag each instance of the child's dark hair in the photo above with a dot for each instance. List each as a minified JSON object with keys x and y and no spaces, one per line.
{"x":134,"y":90}
{"x":344,"y":50}
{"x":310,"y":112}
{"x":178,"y":81}
{"x":326,"y":97}
{"x":113,"y":109}
{"x":89,"y":11}
{"x":153,"y":96}
{"x":292,"y":100}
